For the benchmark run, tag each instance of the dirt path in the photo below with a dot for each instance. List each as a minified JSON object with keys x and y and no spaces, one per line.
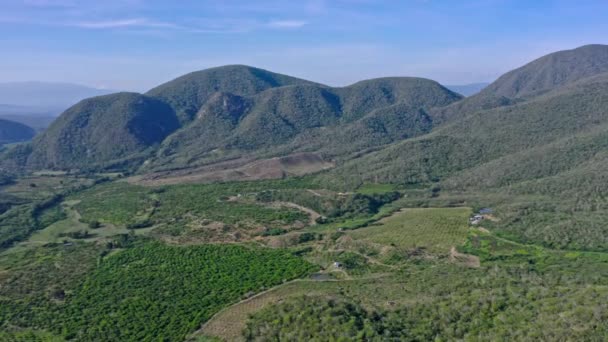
{"x":313,"y":214}
{"x":314,"y":192}
{"x":466,"y":259}
{"x":229,"y":322}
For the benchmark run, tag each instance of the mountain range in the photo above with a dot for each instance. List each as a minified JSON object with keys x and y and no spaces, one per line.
{"x":44,"y":97}
{"x":540,"y":123}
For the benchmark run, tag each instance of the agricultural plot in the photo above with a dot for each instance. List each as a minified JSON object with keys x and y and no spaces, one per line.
{"x":134,"y":285}
{"x":124,"y":204}
{"x":435,"y":229}
{"x":147,"y":292}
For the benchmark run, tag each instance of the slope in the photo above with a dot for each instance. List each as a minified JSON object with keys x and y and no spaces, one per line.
{"x":542,"y":75}
{"x":188,"y":93}
{"x":489,"y":135}
{"x":304,"y":118}
{"x":103,"y":131}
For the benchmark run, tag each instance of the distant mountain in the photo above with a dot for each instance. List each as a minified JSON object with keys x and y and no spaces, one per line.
{"x":11,"y":132}
{"x":46,"y":96}
{"x":468,"y":89}
{"x":37,"y":122}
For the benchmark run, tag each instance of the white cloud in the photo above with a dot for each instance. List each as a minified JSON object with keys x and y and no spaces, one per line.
{"x":287,"y":23}
{"x":109,"y":23}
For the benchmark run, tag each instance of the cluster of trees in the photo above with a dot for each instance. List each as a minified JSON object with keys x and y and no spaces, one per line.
{"x":329,"y":204}
{"x":154,"y":291}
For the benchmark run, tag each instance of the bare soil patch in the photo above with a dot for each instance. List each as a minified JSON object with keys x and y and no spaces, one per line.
{"x":241,"y":169}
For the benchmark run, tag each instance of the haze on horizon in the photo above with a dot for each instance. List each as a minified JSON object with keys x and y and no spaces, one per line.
{"x":137,"y":44}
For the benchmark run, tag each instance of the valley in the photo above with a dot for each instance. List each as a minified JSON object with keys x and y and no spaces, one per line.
{"x":238,"y":204}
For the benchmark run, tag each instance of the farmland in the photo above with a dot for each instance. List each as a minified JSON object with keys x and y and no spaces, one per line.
{"x":435,"y":229}
{"x":132,"y":285}
{"x":404,"y":255}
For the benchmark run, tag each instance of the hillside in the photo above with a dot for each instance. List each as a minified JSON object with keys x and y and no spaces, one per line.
{"x":103,"y":131}
{"x":540,"y":161}
{"x":551,"y":71}
{"x":230,"y":112}
{"x":491,"y":134}
{"x":334,"y":121}
{"x":186,"y":94}
{"x":11,"y":132}
{"x":542,"y":75}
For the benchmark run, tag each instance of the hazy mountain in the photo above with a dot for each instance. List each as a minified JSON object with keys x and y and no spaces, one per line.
{"x":36,"y":122}
{"x":41,"y":97}
{"x":11,"y":132}
{"x":468,"y":89}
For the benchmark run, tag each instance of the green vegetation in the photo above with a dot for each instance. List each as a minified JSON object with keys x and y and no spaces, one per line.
{"x":132,"y":285}
{"x":313,"y":319}
{"x":386,"y":231}
{"x":62,"y":295}
{"x":107,"y":132}
{"x":434,"y":229}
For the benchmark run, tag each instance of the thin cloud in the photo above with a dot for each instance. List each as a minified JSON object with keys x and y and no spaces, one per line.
{"x":122,"y":23}
{"x":287,"y":24}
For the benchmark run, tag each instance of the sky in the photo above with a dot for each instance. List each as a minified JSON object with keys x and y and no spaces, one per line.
{"x":138,"y":44}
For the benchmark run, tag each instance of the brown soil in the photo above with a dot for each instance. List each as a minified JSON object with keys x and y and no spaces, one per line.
{"x":465,"y":259}
{"x":239,"y":170}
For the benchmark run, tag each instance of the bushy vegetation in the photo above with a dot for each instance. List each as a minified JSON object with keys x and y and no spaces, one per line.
{"x":146,"y":292}
{"x":330,"y":204}
{"x":109,"y":131}
{"x":546,"y":295}
{"x":313,"y":319}
{"x":177,"y":206}
{"x":161,"y":292}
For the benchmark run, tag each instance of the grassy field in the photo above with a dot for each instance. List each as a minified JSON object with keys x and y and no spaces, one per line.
{"x":40,"y":187}
{"x":435,"y":229}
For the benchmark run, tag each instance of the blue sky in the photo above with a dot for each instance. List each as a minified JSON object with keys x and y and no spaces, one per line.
{"x":136,"y":44}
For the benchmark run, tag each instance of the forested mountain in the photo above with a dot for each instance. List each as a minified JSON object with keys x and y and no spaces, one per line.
{"x":187,"y":94}
{"x":509,"y":132}
{"x":229,"y":112}
{"x":102,"y":131}
{"x":306,"y":118}
{"x":11,"y":131}
{"x":535,"y":78}
{"x":226,"y":112}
